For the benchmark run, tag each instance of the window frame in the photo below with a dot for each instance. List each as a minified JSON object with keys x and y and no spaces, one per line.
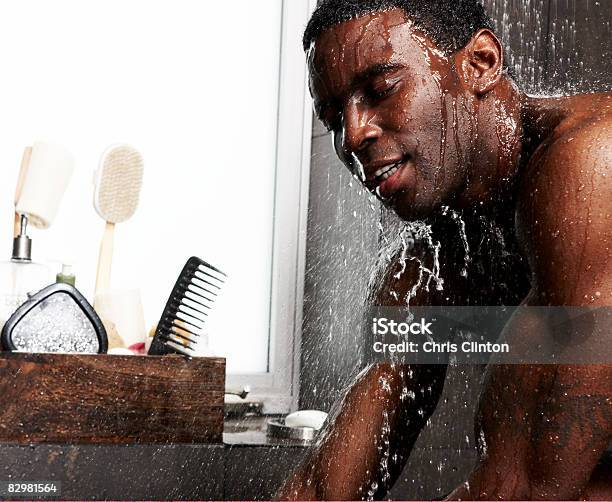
{"x":278,"y":388}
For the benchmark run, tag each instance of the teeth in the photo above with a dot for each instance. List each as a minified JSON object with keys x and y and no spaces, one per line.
{"x":387,"y":170}
{"x":390,"y":173}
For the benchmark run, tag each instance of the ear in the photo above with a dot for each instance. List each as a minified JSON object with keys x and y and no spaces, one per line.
{"x":480,"y":63}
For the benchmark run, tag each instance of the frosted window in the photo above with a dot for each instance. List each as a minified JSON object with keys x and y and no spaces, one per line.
{"x":193,"y":85}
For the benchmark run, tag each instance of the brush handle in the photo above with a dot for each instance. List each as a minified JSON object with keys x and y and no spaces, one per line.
{"x":105,"y":259}
{"x":25,"y":162}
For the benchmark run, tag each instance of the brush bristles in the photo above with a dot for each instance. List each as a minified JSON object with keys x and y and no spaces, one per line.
{"x":118,"y":184}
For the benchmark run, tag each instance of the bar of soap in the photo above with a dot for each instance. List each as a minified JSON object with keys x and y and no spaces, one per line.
{"x":306,"y":418}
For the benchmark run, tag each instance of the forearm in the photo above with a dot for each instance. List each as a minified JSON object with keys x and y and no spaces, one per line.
{"x":299,"y":486}
{"x":342,"y":466}
{"x":365,"y":445}
{"x":545,"y":429}
{"x":574,"y":432}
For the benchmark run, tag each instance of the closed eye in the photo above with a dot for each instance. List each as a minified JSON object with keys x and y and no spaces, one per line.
{"x":383,"y":90}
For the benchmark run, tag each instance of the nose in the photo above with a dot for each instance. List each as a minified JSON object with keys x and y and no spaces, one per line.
{"x":359,"y":128}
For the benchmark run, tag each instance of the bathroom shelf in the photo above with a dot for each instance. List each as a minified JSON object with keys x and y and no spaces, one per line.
{"x":108,"y":399}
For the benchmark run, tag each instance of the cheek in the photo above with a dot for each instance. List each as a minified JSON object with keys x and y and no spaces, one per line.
{"x":418,"y":120}
{"x":416,"y":110}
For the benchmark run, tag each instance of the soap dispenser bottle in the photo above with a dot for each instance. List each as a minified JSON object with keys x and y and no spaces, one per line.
{"x":21,"y":276}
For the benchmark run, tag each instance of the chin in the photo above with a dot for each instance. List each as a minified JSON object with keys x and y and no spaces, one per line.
{"x":412,"y":210}
{"x":412,"y":214}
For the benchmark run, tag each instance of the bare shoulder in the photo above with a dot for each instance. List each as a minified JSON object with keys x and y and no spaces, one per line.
{"x":564,"y":214}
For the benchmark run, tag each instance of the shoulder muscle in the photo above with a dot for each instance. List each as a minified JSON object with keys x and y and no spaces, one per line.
{"x":565,"y":216}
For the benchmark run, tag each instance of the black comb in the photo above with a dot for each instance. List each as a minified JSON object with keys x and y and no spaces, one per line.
{"x":186,"y":310}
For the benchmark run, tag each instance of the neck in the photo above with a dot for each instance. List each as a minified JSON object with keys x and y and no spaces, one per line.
{"x":496,"y":153}
{"x":540,"y":117}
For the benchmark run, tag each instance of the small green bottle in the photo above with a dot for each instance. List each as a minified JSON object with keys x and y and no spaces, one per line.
{"x":66,"y":276}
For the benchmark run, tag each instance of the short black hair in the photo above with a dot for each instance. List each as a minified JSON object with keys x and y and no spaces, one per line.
{"x":449,"y":23}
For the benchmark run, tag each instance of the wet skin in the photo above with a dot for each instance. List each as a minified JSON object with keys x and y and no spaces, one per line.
{"x":454,"y":130}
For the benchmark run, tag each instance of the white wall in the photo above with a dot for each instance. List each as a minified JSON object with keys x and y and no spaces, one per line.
{"x":193,"y":85}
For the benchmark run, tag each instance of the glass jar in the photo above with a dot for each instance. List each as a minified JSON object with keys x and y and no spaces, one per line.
{"x":18,"y":278}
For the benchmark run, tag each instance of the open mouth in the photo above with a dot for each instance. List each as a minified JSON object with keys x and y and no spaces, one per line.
{"x":387,"y":178}
{"x":387,"y":171}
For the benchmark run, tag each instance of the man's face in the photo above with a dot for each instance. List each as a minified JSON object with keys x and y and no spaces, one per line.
{"x":392,"y":101}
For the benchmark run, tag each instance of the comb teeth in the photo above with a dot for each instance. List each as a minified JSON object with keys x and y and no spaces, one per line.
{"x":186,"y":311}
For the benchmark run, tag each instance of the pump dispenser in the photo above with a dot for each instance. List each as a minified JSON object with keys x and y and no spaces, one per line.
{"x":44,"y":175}
{"x":20,"y":276}
{"x":22,"y":244}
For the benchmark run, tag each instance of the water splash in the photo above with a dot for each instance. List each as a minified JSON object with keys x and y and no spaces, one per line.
{"x":384,"y":448}
{"x":482,"y":444}
{"x":412,"y":242}
{"x":456,"y":217}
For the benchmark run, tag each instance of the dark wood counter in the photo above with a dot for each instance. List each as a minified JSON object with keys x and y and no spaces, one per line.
{"x":107,"y":399}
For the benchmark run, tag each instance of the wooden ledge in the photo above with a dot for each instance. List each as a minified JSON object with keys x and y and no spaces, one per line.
{"x":108,"y":399}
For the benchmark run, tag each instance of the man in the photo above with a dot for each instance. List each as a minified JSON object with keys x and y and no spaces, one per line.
{"x":422,"y":110}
